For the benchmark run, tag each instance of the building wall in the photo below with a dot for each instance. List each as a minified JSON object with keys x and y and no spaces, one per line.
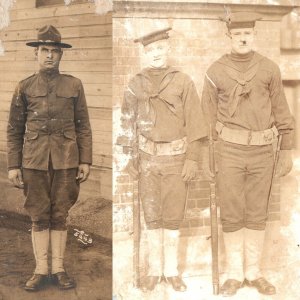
{"x":290,"y":64}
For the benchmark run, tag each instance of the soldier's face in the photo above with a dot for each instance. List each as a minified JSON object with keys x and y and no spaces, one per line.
{"x":157,"y":53}
{"x":48,"y":57}
{"x":242,"y":40}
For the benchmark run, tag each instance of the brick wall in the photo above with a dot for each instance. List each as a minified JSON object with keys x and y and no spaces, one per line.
{"x":196,"y":41}
{"x":290,"y":63}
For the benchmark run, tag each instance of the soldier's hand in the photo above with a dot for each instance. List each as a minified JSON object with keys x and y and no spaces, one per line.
{"x":131,"y":170}
{"x":83,"y":172}
{"x":285,"y":163}
{"x":16,"y":178}
{"x":189,"y":170}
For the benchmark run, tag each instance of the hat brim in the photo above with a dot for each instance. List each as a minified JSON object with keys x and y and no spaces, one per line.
{"x":38,"y":43}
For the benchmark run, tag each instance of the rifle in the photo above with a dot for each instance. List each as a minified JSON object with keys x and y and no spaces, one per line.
{"x":213,"y":217}
{"x":136,"y":220}
{"x":274,"y":169}
{"x":136,"y":235}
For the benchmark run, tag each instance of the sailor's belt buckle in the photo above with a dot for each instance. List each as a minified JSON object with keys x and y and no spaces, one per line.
{"x":177,"y":145}
{"x":149,"y":146}
{"x":168,"y":148}
{"x":268,"y":136}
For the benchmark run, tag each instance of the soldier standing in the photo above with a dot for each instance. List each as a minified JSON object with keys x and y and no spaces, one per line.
{"x":49,"y":145}
{"x":163,"y":123}
{"x":244,"y":101}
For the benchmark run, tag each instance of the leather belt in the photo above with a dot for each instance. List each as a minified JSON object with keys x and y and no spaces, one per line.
{"x":162,"y":148}
{"x":247,"y":137}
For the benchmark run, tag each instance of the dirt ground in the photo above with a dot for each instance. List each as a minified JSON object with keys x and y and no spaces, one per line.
{"x":91,"y":267}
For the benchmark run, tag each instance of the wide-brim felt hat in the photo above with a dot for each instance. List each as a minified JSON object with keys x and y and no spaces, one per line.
{"x":48,"y":35}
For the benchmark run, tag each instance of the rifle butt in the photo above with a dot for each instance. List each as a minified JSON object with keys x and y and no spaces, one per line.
{"x":214,"y":239}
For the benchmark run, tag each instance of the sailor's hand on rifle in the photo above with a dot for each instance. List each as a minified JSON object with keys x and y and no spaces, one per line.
{"x":132,"y":170}
{"x":285,"y":163}
{"x":16,"y":178}
{"x":189,"y":170}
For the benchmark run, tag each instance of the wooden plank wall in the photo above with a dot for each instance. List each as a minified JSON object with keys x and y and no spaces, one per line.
{"x":90,"y":59}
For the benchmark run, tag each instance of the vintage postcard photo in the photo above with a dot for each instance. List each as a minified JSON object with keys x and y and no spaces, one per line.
{"x":205,"y":147}
{"x":55,"y":149}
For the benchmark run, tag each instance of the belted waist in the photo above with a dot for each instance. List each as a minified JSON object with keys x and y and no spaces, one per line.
{"x":247,"y":137}
{"x":162,"y":148}
{"x":50,"y":125}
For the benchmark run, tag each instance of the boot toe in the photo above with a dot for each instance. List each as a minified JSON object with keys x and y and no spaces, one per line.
{"x":149,"y":283}
{"x":36,"y":282}
{"x":262,"y":285}
{"x":177,"y":283}
{"x":63,"y":281}
{"x":230,"y":287}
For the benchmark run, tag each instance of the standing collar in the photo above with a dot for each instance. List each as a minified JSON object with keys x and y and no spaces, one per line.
{"x":49,"y":74}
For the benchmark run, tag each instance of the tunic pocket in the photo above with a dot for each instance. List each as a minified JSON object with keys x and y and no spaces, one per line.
{"x":65,"y":103}
{"x":67,"y":93}
{"x":31,"y":144}
{"x":29,"y":136}
{"x":70,"y":135}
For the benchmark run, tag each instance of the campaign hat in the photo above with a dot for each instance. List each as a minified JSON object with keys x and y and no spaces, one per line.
{"x":48,"y":35}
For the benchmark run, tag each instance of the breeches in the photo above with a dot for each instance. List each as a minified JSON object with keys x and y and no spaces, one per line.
{"x":162,"y":190}
{"x":49,"y":196}
{"x":244,"y":178}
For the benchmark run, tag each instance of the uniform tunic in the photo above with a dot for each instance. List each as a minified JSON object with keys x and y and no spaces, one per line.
{"x":246,"y":96}
{"x":49,"y":116}
{"x":48,"y":135}
{"x":162,"y":105}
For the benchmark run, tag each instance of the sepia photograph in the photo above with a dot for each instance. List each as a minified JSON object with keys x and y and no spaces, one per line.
{"x":56,"y":149}
{"x":149,"y":149}
{"x":205,"y":149}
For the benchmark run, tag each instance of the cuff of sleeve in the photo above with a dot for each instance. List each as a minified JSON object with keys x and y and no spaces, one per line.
{"x":287,"y":142}
{"x":192,"y":156}
{"x":194,"y":149}
{"x":13,"y":168}
{"x":127,"y":150}
{"x":124,"y":141}
{"x":85,"y":159}
{"x":14,"y":161}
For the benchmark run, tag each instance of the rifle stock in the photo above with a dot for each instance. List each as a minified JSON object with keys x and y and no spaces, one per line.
{"x":213,"y":218}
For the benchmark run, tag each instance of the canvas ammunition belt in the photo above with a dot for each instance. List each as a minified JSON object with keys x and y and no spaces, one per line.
{"x":247,"y":137}
{"x":162,"y":148}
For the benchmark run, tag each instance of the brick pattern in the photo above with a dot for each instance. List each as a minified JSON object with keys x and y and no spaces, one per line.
{"x":195,"y":44}
{"x":289,"y":39}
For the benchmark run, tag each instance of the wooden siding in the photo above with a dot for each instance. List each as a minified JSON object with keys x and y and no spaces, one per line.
{"x":90,"y":59}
